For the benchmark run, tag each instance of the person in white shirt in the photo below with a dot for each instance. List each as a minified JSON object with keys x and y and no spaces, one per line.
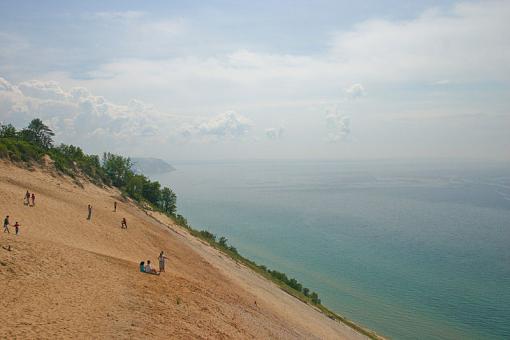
{"x":162,"y":259}
{"x":149,"y":269}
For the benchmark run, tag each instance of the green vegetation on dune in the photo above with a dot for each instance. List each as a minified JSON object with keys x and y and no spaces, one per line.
{"x":32,"y":144}
{"x":289,"y":285}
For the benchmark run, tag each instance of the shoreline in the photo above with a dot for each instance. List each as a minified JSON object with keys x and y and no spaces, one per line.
{"x":224,"y":298}
{"x":231,"y":266}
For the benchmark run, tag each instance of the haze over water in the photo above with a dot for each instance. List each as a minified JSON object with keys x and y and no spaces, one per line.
{"x":409,"y":249}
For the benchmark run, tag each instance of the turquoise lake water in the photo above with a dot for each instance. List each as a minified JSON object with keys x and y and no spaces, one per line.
{"x":412,"y":250}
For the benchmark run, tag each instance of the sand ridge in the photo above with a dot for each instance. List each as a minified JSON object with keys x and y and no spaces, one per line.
{"x":68,"y":277}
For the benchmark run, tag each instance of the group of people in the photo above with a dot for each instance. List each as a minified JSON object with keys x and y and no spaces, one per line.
{"x":147,"y":267}
{"x":123,"y":222}
{"x":7,"y":224}
{"x":29,"y":199}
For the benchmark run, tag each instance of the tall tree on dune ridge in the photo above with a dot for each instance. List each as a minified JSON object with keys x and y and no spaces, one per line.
{"x":38,"y":133}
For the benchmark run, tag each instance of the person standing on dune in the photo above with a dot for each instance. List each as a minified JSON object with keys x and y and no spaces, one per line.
{"x":27,"y":198}
{"x":123,"y":223}
{"x":6,"y":224}
{"x":115,"y":206}
{"x":16,"y":227}
{"x":33,"y":199}
{"x":162,"y":259}
{"x":90,"y":212}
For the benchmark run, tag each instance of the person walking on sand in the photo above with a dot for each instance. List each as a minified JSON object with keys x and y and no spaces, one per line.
{"x":16,"y":227}
{"x":123,"y":223}
{"x":27,"y":198}
{"x":115,"y":206}
{"x":162,"y":259}
{"x":90,"y":212}
{"x":6,"y":224}
{"x":33,"y":199}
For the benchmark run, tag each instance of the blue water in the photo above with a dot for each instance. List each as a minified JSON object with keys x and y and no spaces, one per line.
{"x":409,"y":249}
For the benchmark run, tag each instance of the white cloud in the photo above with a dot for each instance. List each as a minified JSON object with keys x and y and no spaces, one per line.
{"x":274,"y":133}
{"x":339,"y":126}
{"x":164,"y":62}
{"x":119,"y":15}
{"x":355,"y":91}
{"x":442,"y":82}
{"x":464,"y":44}
{"x":77,"y":115}
{"x":43,"y":90}
{"x":227,"y":125}
{"x":7,"y":87}
{"x":163,"y":28}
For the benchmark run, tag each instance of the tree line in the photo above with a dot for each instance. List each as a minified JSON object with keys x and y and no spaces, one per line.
{"x":36,"y":140}
{"x":222,"y":243}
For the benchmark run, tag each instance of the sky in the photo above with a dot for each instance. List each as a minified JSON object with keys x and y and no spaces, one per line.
{"x":217,"y":80}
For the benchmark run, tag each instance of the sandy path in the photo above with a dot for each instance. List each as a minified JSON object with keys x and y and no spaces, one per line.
{"x":68,"y":277}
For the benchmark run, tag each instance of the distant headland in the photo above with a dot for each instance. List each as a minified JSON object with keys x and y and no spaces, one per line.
{"x":149,"y":165}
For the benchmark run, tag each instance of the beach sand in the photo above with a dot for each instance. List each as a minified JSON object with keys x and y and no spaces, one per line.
{"x":68,"y":277}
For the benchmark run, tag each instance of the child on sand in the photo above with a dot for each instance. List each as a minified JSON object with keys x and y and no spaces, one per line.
{"x":27,"y":198}
{"x":16,"y":227}
{"x":89,"y":207}
{"x":115,"y":206}
{"x":142,"y":266}
{"x":6,"y":224}
{"x":33,"y":199}
{"x":123,"y":223}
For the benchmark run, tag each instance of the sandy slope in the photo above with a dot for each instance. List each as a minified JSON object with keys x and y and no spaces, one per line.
{"x":69,"y":277}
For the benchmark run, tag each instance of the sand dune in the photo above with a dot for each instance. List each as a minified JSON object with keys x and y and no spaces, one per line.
{"x":68,"y":277}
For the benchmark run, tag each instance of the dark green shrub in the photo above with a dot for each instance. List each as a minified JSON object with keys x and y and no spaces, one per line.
{"x":4,"y":151}
{"x":223,"y":241}
{"x":207,"y":235}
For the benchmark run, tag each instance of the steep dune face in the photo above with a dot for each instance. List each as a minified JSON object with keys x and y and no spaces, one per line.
{"x":65,"y":276}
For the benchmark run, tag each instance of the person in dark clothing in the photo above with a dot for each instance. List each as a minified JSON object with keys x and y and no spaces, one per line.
{"x":123,"y":223}
{"x":6,"y":224}
{"x":33,"y":199}
{"x":90,"y":212}
{"x":16,"y":227}
{"x":115,"y":206}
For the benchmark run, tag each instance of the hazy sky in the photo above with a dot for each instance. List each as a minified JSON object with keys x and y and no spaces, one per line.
{"x":262,"y":79}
